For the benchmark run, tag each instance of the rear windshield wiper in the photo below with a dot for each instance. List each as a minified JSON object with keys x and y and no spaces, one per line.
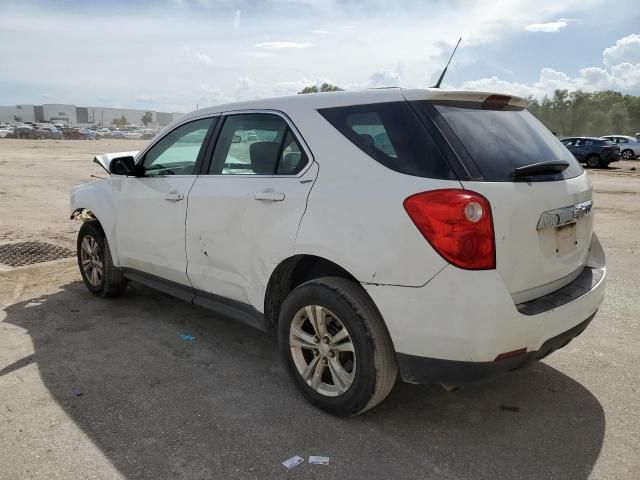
{"x":541,"y":168}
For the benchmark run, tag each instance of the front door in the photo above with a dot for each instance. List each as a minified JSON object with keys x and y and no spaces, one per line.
{"x":244,"y":215}
{"x":150,"y":227}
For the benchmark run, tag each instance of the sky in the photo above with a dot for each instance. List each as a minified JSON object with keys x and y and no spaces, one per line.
{"x":174,"y":55}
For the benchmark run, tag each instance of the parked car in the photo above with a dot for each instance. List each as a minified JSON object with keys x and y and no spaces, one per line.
{"x":133,"y":135}
{"x":629,"y":146}
{"x":595,"y":152}
{"x":48,"y":132}
{"x":72,"y":133}
{"x":5,"y":131}
{"x":89,"y":134}
{"x":24,"y":132}
{"x":448,"y":252}
{"x":148,"y":133}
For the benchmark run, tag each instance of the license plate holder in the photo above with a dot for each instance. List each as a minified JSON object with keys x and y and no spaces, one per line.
{"x":566,"y":239}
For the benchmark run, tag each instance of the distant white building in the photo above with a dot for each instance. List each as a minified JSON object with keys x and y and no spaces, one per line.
{"x":80,"y":116}
{"x":26,"y":113}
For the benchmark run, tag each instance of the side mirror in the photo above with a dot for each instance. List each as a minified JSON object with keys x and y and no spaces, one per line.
{"x":236,"y":139}
{"x":122,"y":166}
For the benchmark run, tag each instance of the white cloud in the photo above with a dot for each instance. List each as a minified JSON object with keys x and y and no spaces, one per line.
{"x":245,"y":83}
{"x":281,"y":45}
{"x":260,"y":54}
{"x":624,"y":77}
{"x":627,"y":49}
{"x":211,"y":96}
{"x":246,"y":88}
{"x":320,"y":32}
{"x":236,"y":19}
{"x":203,"y":57}
{"x":550,"y":27}
{"x":621,"y":72}
{"x":384,"y":78}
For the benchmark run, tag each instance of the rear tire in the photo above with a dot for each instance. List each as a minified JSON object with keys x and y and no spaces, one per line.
{"x":628,"y":155}
{"x":594,"y":161}
{"x":356,"y":368}
{"x":100,"y":276}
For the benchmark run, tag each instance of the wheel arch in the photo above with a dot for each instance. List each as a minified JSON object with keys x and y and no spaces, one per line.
{"x":290,"y":273}
{"x":93,"y":201}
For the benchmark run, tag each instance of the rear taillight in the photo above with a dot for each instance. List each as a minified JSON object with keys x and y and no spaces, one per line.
{"x":457,"y":224}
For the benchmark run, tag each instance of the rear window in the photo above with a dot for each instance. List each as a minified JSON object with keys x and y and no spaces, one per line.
{"x":494,"y":142}
{"x":391,"y":134}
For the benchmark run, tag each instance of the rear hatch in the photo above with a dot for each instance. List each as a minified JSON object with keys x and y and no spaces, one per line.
{"x":539,"y":194}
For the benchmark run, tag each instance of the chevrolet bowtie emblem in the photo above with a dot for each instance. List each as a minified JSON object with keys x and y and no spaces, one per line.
{"x":564,"y":215}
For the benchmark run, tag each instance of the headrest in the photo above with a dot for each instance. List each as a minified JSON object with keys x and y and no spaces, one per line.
{"x":264,"y":156}
{"x":367,"y":140}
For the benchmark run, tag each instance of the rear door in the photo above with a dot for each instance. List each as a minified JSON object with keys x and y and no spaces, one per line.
{"x":533,"y":256}
{"x":244,"y":212}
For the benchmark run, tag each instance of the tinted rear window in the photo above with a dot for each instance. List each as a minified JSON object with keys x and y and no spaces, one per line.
{"x":494,"y":143}
{"x":391,"y":134}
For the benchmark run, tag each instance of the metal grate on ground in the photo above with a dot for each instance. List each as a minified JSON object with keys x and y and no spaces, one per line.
{"x":28,"y":253}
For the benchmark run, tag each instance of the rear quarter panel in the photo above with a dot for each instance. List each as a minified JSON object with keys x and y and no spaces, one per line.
{"x":355,"y":215}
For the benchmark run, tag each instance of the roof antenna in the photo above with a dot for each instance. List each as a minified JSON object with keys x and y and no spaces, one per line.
{"x":437,"y":85}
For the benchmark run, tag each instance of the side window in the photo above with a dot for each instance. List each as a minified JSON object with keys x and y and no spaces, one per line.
{"x":579,"y":142}
{"x":588,"y":142}
{"x":178,"y":151}
{"x":293,"y":158}
{"x":371,"y":132}
{"x":257,"y":144}
{"x":391,"y":134}
{"x":622,"y":140}
{"x":568,"y":143}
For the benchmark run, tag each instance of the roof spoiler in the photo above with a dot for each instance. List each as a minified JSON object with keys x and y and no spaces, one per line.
{"x":460,"y":96}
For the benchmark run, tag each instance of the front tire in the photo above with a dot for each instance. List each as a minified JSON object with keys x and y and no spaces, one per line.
{"x":100,"y":276}
{"x":336,"y":347}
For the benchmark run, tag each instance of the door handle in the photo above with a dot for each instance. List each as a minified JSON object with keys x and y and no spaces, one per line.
{"x":174,"y":196}
{"x":269,"y":196}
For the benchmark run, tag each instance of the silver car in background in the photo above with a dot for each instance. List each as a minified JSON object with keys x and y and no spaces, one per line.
{"x":629,"y":146}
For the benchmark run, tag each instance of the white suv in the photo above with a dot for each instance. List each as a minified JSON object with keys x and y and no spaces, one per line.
{"x":445,"y":236}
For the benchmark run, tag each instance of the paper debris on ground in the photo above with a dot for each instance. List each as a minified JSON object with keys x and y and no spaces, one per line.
{"x":293,"y":462}
{"x":316,"y":460}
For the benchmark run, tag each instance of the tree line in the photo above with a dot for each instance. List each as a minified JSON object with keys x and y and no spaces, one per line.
{"x":580,"y":113}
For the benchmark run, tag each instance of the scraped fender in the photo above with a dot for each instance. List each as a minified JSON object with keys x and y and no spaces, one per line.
{"x":94,"y":200}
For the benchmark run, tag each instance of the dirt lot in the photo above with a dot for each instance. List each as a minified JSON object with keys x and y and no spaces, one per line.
{"x":104,"y":389}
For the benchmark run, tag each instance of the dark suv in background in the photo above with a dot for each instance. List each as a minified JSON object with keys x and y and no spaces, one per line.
{"x":594,"y":151}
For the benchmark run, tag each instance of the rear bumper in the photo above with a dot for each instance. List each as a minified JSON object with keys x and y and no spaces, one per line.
{"x":414,"y":369}
{"x":455,"y":326}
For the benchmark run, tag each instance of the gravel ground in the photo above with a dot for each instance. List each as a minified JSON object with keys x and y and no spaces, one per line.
{"x":107,"y":389}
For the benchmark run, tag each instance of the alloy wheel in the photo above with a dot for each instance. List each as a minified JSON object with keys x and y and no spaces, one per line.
{"x":322,"y":350}
{"x":627,"y":154}
{"x":91,"y":259}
